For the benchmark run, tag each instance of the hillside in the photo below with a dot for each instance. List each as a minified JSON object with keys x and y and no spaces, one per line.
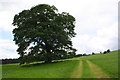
{"x":94,"y":66}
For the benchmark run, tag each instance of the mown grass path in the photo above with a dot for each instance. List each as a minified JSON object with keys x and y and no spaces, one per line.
{"x":98,"y":73}
{"x":78,"y":71}
{"x":94,"y":66}
{"x":86,"y":69}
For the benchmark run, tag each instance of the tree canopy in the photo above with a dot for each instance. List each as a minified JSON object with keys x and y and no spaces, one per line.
{"x":42,"y":33}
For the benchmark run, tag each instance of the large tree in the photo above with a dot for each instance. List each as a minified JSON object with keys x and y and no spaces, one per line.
{"x":42,"y":33}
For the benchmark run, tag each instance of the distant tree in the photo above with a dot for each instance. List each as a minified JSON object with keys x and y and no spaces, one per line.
{"x":89,"y":54}
{"x":108,"y":50}
{"x":100,"y":52}
{"x":93,"y":53}
{"x":42,"y":33}
{"x":78,"y":55}
{"x":104,"y":52}
{"x":84,"y":54}
{"x":9,"y":61}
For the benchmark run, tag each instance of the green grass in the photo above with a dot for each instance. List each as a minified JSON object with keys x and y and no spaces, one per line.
{"x":54,"y":70}
{"x":87,"y":73}
{"x":107,"y":62}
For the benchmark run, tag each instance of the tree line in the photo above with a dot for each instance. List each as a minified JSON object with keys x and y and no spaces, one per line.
{"x":34,"y":59}
{"x":9,"y":61}
{"x":104,"y":52}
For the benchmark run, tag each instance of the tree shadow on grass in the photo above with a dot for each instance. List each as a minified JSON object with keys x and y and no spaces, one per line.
{"x":40,"y":63}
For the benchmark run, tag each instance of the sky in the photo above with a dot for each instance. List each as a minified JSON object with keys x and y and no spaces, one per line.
{"x":96,"y":23}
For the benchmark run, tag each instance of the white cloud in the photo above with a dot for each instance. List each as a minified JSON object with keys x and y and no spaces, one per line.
{"x":96,"y":22}
{"x":103,"y":39}
{"x":7,"y":49}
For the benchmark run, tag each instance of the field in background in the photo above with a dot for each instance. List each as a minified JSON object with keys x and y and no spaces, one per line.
{"x":94,"y":66}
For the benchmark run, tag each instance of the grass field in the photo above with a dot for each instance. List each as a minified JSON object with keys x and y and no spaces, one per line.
{"x":94,"y":66}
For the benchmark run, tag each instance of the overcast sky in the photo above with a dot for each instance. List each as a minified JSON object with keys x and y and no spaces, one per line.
{"x":96,"y":23}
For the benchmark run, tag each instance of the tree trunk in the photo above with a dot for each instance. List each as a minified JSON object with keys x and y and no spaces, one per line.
{"x":48,"y":61}
{"x":48,"y":55}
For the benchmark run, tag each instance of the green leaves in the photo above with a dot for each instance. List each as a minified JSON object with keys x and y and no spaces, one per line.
{"x":50,"y":31}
